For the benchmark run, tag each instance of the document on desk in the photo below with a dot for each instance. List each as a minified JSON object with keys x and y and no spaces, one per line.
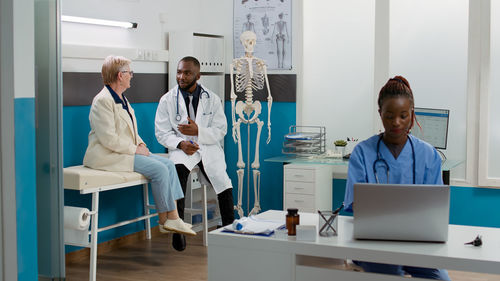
{"x":254,"y":226}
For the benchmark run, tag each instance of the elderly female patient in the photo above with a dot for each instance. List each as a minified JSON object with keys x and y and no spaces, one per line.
{"x":115,"y":145}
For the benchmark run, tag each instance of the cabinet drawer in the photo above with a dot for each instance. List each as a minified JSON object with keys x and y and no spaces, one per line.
{"x":299,"y":175}
{"x":305,"y":203}
{"x":299,"y":187}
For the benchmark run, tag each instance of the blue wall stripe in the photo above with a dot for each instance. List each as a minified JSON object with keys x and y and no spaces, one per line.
{"x":24,"y":122}
{"x":474,"y":206}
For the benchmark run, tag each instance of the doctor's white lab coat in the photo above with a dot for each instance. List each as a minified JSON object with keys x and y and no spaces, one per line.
{"x":212,"y":127}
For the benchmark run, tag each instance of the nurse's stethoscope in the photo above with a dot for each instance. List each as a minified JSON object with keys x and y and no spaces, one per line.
{"x":205,"y":112}
{"x":382,"y":161}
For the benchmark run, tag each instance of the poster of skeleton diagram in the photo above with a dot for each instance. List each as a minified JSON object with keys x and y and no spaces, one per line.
{"x":271,"y":20}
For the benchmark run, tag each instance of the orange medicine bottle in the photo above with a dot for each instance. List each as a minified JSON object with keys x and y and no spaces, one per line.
{"x":292,"y":220}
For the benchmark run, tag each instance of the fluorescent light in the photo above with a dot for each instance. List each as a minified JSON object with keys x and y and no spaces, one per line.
{"x":123,"y":24}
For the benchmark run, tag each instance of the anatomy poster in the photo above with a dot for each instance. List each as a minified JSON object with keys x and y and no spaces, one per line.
{"x":271,"y":20}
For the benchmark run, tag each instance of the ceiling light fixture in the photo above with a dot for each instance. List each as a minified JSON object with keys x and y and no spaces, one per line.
{"x":123,"y":24}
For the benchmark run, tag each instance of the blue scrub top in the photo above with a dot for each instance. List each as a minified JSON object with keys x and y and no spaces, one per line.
{"x":427,"y":162}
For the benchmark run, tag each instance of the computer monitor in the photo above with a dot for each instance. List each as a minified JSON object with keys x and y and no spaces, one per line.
{"x":434,"y":123}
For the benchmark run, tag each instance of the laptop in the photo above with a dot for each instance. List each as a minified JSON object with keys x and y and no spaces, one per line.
{"x":402,"y":212}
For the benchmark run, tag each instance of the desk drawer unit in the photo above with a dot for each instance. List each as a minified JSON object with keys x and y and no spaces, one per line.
{"x":307,"y":187}
{"x":300,"y":175}
{"x":305,"y":203}
{"x":299,"y":187}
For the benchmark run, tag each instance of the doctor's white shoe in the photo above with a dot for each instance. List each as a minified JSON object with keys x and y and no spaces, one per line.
{"x":178,"y":226}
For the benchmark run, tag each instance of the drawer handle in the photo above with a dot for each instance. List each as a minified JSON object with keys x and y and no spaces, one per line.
{"x":298,"y":201}
{"x":298,"y":176}
{"x":299,"y":188}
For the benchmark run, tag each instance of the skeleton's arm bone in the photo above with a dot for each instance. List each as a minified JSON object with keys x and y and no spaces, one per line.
{"x":269,"y":104}
{"x":233,"y":100}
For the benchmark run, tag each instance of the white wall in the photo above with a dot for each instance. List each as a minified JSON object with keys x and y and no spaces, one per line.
{"x":430,"y":50}
{"x":493,"y":133}
{"x":24,"y":49}
{"x":338,"y":65}
{"x":155,"y":19}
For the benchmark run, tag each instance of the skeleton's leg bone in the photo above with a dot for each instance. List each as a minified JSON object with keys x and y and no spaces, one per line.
{"x":241,"y":174}
{"x":240,"y":164}
{"x":256,"y":190}
{"x":256,"y":163}
{"x":238,"y":112}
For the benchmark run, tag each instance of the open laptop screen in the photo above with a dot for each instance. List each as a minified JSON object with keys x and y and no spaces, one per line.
{"x":404,"y":212}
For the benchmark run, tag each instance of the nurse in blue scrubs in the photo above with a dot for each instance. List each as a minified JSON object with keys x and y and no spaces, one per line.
{"x":397,"y":157}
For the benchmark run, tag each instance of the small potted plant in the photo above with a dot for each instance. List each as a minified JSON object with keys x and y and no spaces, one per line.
{"x":340,"y":147}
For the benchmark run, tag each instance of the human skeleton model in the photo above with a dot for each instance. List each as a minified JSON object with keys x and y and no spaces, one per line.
{"x":250,"y":73}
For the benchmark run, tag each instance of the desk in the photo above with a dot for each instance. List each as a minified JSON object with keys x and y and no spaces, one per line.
{"x":279,"y":257}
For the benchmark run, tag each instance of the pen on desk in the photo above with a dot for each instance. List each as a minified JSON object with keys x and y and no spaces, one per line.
{"x":338,"y":209}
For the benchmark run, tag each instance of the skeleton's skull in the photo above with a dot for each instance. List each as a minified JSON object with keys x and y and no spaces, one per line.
{"x":248,"y":39}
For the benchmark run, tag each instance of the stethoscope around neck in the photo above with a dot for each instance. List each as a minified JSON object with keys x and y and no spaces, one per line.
{"x":381,"y":160}
{"x":177,"y":112}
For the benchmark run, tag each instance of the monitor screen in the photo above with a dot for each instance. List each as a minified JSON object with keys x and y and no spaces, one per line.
{"x":434,"y":123}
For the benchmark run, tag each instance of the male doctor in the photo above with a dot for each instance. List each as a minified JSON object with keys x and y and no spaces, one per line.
{"x":190,"y":122}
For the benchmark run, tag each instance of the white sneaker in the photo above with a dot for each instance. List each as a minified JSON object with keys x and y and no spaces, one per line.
{"x":178,"y":226}
{"x":165,"y":231}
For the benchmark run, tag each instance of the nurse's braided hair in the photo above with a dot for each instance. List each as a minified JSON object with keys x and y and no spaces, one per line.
{"x":394,"y":88}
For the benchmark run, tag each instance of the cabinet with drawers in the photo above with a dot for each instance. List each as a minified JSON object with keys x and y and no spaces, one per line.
{"x":307,"y":187}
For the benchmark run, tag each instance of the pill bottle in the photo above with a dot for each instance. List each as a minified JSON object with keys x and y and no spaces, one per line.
{"x":292,"y":220}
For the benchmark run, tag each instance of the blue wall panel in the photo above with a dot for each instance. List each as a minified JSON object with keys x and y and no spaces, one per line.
{"x":474,"y":206}
{"x":24,"y":122}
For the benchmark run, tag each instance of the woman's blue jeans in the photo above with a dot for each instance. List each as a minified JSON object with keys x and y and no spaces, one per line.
{"x":164,"y":181}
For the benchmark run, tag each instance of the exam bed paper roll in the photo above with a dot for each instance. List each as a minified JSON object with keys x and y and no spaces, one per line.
{"x":76,"y":218}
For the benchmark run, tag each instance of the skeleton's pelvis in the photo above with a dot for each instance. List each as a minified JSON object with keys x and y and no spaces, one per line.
{"x":243,"y":107}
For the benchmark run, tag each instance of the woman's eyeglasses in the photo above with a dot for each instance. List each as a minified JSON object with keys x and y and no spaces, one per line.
{"x":128,"y":71}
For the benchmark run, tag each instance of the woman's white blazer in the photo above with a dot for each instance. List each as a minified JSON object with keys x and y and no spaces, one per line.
{"x":113,"y":137}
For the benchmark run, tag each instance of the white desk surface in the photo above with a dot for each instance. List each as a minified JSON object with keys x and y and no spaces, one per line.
{"x":319,"y":159}
{"x":450,"y":255}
